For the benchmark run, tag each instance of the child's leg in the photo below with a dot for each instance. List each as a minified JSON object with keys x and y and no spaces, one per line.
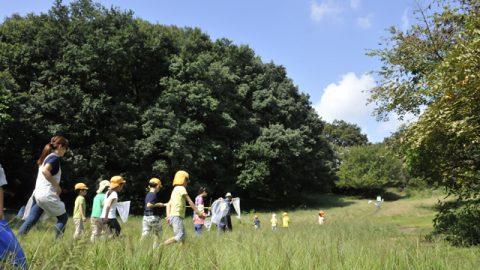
{"x":145,"y":226}
{"x":95,"y":229}
{"x":78,"y":227}
{"x":178,"y":230}
{"x":114,"y":226}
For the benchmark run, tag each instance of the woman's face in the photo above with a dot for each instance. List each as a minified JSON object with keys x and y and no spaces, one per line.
{"x":61,"y":150}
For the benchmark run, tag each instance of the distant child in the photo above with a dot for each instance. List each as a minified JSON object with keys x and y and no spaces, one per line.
{"x":274,"y":222}
{"x":321,"y":217}
{"x":10,"y":249}
{"x":95,"y":219}
{"x":151,"y":215}
{"x":176,"y":207}
{"x":79,"y":211}
{"x":256,"y":222}
{"x":285,"y":220}
{"x":199,"y":222}
{"x":109,"y":211}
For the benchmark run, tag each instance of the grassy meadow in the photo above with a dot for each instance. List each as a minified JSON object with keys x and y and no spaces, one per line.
{"x":355,"y":236}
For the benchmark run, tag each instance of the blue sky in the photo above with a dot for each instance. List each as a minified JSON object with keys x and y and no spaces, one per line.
{"x":322,"y":43}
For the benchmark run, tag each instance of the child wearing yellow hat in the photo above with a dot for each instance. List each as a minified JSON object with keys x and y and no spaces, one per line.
{"x":79,"y":211}
{"x":151,"y":215}
{"x":321,"y":217}
{"x":97,"y":225}
{"x":176,"y":207}
{"x":109,"y":211}
{"x":285,"y":220}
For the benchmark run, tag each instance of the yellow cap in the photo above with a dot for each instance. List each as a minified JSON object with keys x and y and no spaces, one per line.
{"x":321,"y":213}
{"x":180,"y":178}
{"x":116,"y":181}
{"x":284,"y":213}
{"x":80,"y":186}
{"x":155,"y":181}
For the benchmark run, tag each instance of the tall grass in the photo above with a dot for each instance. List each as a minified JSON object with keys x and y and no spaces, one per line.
{"x":355,"y":237}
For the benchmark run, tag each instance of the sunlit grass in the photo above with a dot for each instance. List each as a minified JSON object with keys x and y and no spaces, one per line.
{"x":356,"y":236}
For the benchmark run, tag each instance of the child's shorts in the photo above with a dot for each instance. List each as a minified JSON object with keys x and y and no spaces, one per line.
{"x":178,"y":228}
{"x":151,"y":224}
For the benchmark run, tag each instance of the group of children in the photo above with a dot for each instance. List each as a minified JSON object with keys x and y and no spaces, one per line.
{"x":104,"y":214}
{"x":285,"y":220}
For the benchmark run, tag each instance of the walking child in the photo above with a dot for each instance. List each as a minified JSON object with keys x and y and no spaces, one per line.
{"x":109,"y":211}
{"x":256,"y":222}
{"x":199,"y":222}
{"x":285,"y":220}
{"x":176,"y":207}
{"x":274,"y":222}
{"x":96,"y":217}
{"x":79,"y":211}
{"x":151,"y":215}
{"x":321,"y":217}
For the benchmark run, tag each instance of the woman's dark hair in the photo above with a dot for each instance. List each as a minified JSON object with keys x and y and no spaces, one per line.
{"x":55,"y":143}
{"x":201,"y":190}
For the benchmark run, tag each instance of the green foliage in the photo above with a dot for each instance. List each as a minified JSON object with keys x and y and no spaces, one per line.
{"x":458,"y":222}
{"x":369,"y":168}
{"x":443,"y":146}
{"x":344,"y":134}
{"x":142,"y":99}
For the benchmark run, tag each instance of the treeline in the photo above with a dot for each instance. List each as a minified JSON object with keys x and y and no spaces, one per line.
{"x":142,"y":100}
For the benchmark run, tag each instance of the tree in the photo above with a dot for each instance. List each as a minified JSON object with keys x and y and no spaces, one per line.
{"x":369,"y":169}
{"x":142,"y":100}
{"x":343,"y":134}
{"x":443,"y":145}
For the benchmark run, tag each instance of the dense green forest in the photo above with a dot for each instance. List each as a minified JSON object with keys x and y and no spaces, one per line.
{"x":142,"y":100}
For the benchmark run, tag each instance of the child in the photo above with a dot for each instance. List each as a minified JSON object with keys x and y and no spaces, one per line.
{"x":321,"y":217}
{"x":274,"y":222}
{"x":79,"y":210}
{"x":285,"y":220}
{"x":256,"y":222}
{"x":10,"y":249}
{"x":109,"y":211}
{"x":199,"y":222}
{"x":176,"y":207}
{"x":96,"y":221}
{"x":151,"y":214}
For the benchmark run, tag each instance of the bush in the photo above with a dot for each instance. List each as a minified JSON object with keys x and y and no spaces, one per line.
{"x":458,"y":222}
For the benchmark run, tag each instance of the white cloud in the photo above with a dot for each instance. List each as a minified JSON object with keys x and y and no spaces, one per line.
{"x":405,"y":20}
{"x":355,"y":4}
{"x":348,"y":100}
{"x":325,"y":9}
{"x":365,"y":22}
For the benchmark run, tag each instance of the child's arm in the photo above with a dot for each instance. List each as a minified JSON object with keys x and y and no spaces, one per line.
{"x":1,"y":203}
{"x":192,"y":205}
{"x":109,"y":205}
{"x":82,"y":214}
{"x":167,"y":210}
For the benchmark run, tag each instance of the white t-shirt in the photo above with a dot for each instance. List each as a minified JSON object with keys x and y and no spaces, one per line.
{"x":113,"y":208}
{"x":3,"y":178}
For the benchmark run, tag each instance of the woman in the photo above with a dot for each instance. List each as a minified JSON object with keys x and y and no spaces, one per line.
{"x":45,"y":197}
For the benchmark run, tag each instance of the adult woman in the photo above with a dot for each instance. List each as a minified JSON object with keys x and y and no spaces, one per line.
{"x":45,"y":197}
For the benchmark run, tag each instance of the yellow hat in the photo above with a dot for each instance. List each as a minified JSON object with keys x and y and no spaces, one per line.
{"x":321,"y":213}
{"x":155,"y":181}
{"x":80,"y":186}
{"x":180,"y":178}
{"x":284,"y":214}
{"x":116,"y":181}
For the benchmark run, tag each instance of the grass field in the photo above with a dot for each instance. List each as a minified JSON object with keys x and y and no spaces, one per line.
{"x":354,"y":237}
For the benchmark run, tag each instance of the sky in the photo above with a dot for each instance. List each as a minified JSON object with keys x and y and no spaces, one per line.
{"x":321,"y":43}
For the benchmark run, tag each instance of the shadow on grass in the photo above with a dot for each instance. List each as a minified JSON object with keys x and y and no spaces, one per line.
{"x":326,"y":201}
